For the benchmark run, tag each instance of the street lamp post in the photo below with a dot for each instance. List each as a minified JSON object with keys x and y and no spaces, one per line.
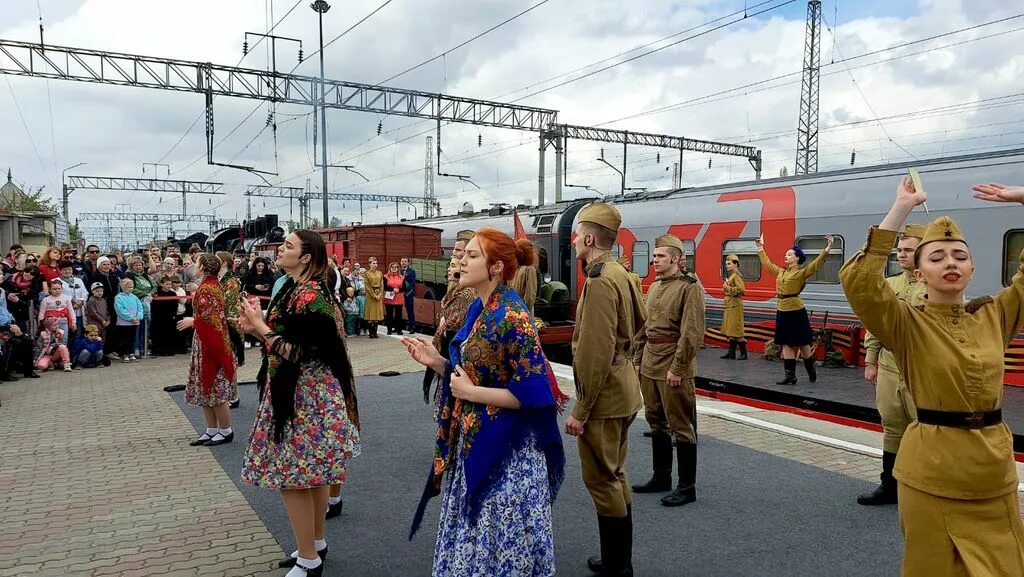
{"x":320,"y":6}
{"x":67,"y":191}
{"x":622,"y":174}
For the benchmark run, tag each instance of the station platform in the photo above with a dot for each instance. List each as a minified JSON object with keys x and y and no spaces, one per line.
{"x":839,"y":393}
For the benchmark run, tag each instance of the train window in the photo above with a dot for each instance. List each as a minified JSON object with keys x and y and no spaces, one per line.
{"x":641,"y":258}
{"x":1013,"y":242}
{"x":616,"y":251}
{"x":746,"y":250}
{"x":690,"y":256}
{"x":829,"y":272}
{"x":892,"y":267}
{"x":543,"y":223}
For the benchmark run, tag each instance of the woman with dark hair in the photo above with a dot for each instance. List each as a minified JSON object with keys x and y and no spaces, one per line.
{"x":21,"y":289}
{"x":373,"y":313}
{"x":732,"y":319}
{"x":394,"y":299}
{"x":498,"y":449}
{"x":257,"y":282}
{"x":792,"y":325}
{"x":212,"y":379}
{"x":307,"y":423}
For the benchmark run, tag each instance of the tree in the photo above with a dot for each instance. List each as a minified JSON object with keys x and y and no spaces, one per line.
{"x":73,"y":233}
{"x":36,"y":201}
{"x":784,"y":172}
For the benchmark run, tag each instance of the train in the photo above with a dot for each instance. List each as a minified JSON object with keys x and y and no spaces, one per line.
{"x":714,"y":221}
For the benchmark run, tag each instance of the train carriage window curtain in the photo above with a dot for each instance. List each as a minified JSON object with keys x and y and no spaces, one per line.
{"x":641,"y":258}
{"x":829,"y":272}
{"x":1013,"y":242}
{"x":746,"y":250}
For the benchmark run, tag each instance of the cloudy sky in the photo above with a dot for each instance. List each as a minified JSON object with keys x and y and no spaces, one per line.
{"x":955,"y":93}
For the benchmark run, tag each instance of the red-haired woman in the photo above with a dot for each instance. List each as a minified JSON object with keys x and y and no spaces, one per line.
{"x":498,"y":442}
{"x":394,"y":298}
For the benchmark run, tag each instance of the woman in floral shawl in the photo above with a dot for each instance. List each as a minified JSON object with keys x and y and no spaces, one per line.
{"x":498,"y":441}
{"x":307,"y":423}
{"x":211,"y":376}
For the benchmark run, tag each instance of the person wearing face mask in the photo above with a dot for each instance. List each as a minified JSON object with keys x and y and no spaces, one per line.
{"x":792,"y":325}
{"x":666,"y":356}
{"x":957,"y":478}
{"x":732,"y":319}
{"x":498,"y":457}
{"x":892,"y":398}
{"x":609,"y":316}
{"x":454,"y":306}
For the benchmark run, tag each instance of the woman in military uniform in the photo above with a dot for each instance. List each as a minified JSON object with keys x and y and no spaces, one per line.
{"x":957,"y":480}
{"x":792,"y":326}
{"x":374,"y":311}
{"x":732,"y":318}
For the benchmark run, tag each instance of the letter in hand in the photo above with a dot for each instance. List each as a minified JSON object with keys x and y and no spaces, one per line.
{"x":996,"y":192}
{"x":906,"y":192}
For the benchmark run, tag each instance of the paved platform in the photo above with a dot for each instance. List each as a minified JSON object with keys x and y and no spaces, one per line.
{"x":97,"y":479}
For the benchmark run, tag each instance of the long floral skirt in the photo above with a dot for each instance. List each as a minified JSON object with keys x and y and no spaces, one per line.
{"x":315,"y":446}
{"x":223,"y":390}
{"x":512,"y":535}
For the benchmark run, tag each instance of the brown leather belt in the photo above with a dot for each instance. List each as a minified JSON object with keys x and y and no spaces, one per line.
{"x":662,"y":340}
{"x":782,"y":296}
{"x":960,"y":420}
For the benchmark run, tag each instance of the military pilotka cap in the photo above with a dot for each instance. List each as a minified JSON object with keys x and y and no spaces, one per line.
{"x":915,"y":231}
{"x":669,"y":240}
{"x":942,"y":228}
{"x":602,"y":214}
{"x":466,"y":235}
{"x":733,"y":258}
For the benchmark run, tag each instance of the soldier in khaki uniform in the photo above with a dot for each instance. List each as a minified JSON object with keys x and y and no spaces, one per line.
{"x":732,"y":319}
{"x":633,"y":277}
{"x":957,"y":480}
{"x":892,"y":398}
{"x":666,"y":354}
{"x":608,"y":317}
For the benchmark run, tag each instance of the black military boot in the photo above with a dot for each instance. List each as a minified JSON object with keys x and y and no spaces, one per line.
{"x":812,"y":373}
{"x":885,"y":493}
{"x":661,"y":446}
{"x":686,"y":490}
{"x":616,"y":547}
{"x":732,"y":351}
{"x":790,"y":366}
{"x":743,"y":351}
{"x":605,"y":529}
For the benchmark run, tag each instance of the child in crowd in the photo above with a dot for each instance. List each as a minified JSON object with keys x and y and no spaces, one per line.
{"x":351,"y":308}
{"x":163,"y":332}
{"x":96,"y":311}
{"x":129,"y":312}
{"x":360,"y":323}
{"x":58,"y":307}
{"x":52,"y":348}
{"x":88,"y":350}
{"x":73,"y":288}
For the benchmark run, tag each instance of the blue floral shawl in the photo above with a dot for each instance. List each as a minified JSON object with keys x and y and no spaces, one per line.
{"x":498,"y":347}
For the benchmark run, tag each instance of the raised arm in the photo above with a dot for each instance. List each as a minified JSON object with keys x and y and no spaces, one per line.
{"x":765,"y":261}
{"x":809,"y":270}
{"x":1009,"y":300}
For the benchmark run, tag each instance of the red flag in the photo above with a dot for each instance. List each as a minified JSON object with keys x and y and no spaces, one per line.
{"x":520,"y":231}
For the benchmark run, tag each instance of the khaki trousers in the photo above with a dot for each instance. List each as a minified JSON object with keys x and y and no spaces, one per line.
{"x":670,"y":410}
{"x":603,"y":446}
{"x":960,"y":538}
{"x":895,"y":405}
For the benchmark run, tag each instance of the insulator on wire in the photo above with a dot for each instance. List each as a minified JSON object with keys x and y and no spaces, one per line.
{"x":245,"y":47}
{"x":479,"y":140}
{"x":853,"y":157}
{"x":657,"y":158}
{"x":380,"y":127}
{"x":602,"y":153}
{"x":300,"y":55}
{"x":709,"y":163}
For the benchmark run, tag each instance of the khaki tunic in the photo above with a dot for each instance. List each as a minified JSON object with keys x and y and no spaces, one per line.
{"x":635,"y":279}
{"x":893,"y":399}
{"x":952,"y":360}
{"x":374,"y":283}
{"x":675,"y":310}
{"x":791,"y":281}
{"x":732,"y":318}
{"x":608,"y":316}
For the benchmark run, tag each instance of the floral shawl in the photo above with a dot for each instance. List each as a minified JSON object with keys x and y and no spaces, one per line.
{"x":311,"y":327}
{"x":454,"y":306}
{"x":231,"y":290}
{"x":499,"y":347}
{"x":211,"y":326}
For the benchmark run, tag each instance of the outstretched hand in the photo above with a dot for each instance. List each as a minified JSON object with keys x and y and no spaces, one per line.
{"x":423,"y":353}
{"x":996,"y":192}
{"x":906,"y":192}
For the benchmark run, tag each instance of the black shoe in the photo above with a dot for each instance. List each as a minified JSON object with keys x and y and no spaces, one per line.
{"x":200,"y":440}
{"x":885,"y":493}
{"x":31,"y":375}
{"x":318,"y":572}
{"x":790,"y":367}
{"x":8,"y":378}
{"x":334,"y":510}
{"x":686,"y":491}
{"x":616,"y":547}
{"x":732,"y":351}
{"x":290,"y":561}
{"x":812,"y":373}
{"x":235,"y":403}
{"x":661,"y":482}
{"x":223,"y":440}
{"x":743,"y":351}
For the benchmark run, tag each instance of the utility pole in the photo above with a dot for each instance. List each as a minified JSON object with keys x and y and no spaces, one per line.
{"x":428,"y":181}
{"x":320,"y":6}
{"x":67,"y":189}
{"x":807,"y":125}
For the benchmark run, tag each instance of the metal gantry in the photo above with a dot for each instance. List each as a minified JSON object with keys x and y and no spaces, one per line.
{"x":306,"y":196}
{"x":183,"y":187}
{"x":807,"y":125}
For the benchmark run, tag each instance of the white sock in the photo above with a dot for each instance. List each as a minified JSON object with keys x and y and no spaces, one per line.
{"x":334,"y":500}
{"x":321,"y":544}
{"x":226,"y":431}
{"x":211,"y":431}
{"x":217,"y":437}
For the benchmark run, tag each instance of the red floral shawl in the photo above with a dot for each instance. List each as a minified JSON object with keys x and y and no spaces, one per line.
{"x":211,"y":325}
